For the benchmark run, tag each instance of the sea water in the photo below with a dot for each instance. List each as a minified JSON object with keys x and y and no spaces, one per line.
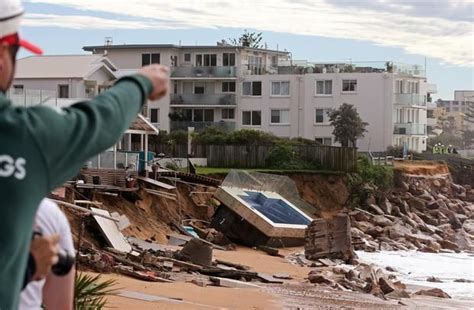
{"x":415,"y":267}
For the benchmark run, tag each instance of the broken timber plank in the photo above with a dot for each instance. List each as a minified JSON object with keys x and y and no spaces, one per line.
{"x":230,"y":264}
{"x":156,"y":183}
{"x":266,"y":278}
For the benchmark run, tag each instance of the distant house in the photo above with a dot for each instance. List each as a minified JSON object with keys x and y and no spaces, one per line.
{"x":47,"y":78}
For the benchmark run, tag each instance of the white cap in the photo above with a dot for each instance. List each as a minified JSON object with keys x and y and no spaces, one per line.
{"x":11,"y":12}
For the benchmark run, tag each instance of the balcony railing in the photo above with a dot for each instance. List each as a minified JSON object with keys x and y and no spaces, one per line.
{"x":204,"y":72}
{"x":198,"y":126}
{"x":203,"y":99}
{"x":410,"y":99}
{"x":409,"y":129}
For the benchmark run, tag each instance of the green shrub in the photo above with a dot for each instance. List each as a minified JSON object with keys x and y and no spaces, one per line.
{"x":284,"y":156}
{"x":90,"y":291}
{"x":381,"y":176}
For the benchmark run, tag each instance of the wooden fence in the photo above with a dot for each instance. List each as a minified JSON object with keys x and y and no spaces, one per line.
{"x":255,"y":156}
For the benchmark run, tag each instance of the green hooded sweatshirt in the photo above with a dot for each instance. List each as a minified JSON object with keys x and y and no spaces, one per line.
{"x":40,"y":149}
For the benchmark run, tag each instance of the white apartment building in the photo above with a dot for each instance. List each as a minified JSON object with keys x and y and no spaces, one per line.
{"x":240,"y":87}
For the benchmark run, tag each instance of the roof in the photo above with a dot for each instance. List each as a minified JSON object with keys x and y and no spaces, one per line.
{"x":142,"y":126}
{"x":61,"y":66}
{"x":153,"y":46}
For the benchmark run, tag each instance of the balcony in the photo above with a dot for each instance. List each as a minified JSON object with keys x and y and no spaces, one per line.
{"x":204,"y":72}
{"x":410,"y":100}
{"x":409,"y":129}
{"x":203,"y":99}
{"x":198,"y":126}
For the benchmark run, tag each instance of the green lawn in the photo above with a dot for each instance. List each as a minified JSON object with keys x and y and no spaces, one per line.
{"x":211,"y":171}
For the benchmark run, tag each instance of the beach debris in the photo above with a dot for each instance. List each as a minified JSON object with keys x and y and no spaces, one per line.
{"x":434,"y":292}
{"x":329,"y":239}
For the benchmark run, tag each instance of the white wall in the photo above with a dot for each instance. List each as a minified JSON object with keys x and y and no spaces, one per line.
{"x":76,"y":86}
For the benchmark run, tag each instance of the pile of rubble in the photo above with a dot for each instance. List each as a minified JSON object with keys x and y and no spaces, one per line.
{"x":192,"y":262}
{"x":368,"y":279}
{"x":429,"y":214}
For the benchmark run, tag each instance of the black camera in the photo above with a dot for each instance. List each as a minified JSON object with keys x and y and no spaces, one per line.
{"x":65,"y":260}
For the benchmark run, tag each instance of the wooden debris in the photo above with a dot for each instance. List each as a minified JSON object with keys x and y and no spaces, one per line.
{"x":232,"y":283}
{"x":267,"y":278}
{"x":234,"y":265}
{"x":269,"y":250}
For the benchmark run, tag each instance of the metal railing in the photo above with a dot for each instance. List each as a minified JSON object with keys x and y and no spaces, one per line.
{"x":203,"y":99}
{"x":209,"y":72}
{"x":409,"y":129}
{"x":410,"y":99}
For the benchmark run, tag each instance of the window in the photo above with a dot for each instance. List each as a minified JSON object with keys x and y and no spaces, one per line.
{"x":349,"y":85}
{"x":153,"y":58}
{"x":187,"y":57}
{"x":198,"y":60}
{"x":228,"y":87}
{"x":199,"y":88}
{"x":280,"y":117}
{"x":198,"y":115}
{"x":228,"y":59}
{"x":322,"y":116}
{"x":155,"y":116}
{"x":324,"y":87}
{"x":252,"y":118}
{"x":280,"y":88}
{"x":228,"y":113}
{"x":324,"y":140}
{"x":208,"y":115}
{"x":206,"y":60}
{"x":252,"y":88}
{"x":18,"y":89}
{"x":63,"y":91}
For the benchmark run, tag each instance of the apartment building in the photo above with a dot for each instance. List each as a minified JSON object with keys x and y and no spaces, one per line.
{"x":454,"y":111}
{"x":240,"y":87}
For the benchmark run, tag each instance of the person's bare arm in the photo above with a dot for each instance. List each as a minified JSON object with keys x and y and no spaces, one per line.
{"x":58,"y":292}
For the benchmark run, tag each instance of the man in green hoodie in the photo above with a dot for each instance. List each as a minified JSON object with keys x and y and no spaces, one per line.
{"x":41,"y":148}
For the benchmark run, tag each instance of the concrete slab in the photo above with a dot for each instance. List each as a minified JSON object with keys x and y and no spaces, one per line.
{"x":232,"y":283}
{"x":113,"y":236}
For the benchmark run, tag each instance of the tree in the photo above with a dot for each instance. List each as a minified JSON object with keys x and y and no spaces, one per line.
{"x":348,"y":126}
{"x":248,"y":39}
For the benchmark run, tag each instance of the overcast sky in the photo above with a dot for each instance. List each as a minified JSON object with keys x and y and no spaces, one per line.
{"x":317,"y":30}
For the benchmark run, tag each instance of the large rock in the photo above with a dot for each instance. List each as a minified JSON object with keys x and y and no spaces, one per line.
{"x":416,"y":203}
{"x":386,"y":285}
{"x":434,"y":292}
{"x":363,"y":226}
{"x":445,"y":244}
{"x":373,"y":208}
{"x":419,"y":238}
{"x":404,"y":207}
{"x":375,"y":231}
{"x":386,"y":206}
{"x":468,"y":226}
{"x":397,"y":231}
{"x":433,"y":205}
{"x":426,"y":197}
{"x":463,"y":240}
{"x":321,"y":277}
{"x":381,"y":220}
